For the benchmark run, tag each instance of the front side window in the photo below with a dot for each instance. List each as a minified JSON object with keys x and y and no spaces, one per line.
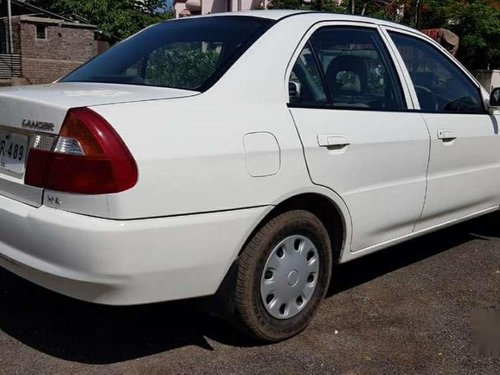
{"x":357,"y":69}
{"x":440,"y":85}
{"x":187,"y":54}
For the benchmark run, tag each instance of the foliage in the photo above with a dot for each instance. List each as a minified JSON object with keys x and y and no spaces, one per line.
{"x":184,"y":65}
{"x":117,"y":19}
{"x":321,"y":5}
{"x":478,"y":25}
{"x":289,"y":4}
{"x":476,"y":22}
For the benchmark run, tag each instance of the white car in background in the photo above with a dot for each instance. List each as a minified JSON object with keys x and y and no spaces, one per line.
{"x":241,"y":155}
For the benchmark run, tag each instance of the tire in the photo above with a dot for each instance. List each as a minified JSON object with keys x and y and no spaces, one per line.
{"x":253,"y":313}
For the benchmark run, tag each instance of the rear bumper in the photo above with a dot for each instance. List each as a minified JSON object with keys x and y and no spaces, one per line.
{"x":122,"y":262}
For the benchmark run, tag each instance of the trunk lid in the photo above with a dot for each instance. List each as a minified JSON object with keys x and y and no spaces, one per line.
{"x":31,"y":113}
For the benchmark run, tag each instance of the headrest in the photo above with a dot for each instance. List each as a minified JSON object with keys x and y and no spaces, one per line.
{"x":346,"y":63}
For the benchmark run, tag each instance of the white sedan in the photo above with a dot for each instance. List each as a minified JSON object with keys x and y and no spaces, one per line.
{"x":241,"y":155}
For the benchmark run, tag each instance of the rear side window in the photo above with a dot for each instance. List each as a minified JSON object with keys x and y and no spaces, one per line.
{"x":356,"y":68}
{"x":306,"y":86}
{"x":440,"y":85}
{"x":187,"y":54}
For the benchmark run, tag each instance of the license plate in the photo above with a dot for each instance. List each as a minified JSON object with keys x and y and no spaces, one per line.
{"x":13,"y":151}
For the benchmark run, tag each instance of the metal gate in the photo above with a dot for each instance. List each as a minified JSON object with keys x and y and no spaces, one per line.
{"x":10,"y":66}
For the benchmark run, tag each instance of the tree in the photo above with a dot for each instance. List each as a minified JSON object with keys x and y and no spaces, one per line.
{"x":320,"y":5}
{"x":117,"y":19}
{"x":476,"y":22}
{"x":478,"y":25}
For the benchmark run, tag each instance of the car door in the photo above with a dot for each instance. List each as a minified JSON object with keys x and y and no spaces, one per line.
{"x":464,"y":164}
{"x":359,"y":136}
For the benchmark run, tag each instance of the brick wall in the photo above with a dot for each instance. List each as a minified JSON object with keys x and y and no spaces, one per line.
{"x":38,"y":71}
{"x":66,"y":48}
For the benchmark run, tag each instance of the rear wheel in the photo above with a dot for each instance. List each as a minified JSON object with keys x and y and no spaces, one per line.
{"x":283,"y":274}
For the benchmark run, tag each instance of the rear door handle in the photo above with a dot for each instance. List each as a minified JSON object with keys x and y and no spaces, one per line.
{"x":446,"y":135}
{"x":333,"y":141}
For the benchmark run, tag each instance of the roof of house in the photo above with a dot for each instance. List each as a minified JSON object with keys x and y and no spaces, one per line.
{"x":53,"y":21}
{"x":33,"y":13}
{"x":34,"y":10}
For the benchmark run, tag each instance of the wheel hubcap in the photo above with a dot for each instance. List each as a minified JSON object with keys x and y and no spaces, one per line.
{"x":289,"y":277}
{"x":293,"y":278}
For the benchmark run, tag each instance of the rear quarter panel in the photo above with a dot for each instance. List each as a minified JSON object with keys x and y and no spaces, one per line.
{"x":191,"y":157}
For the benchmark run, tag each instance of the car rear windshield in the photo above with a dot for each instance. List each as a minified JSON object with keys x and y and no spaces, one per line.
{"x":186,"y":54}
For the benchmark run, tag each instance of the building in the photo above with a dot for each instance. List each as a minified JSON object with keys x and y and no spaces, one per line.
{"x":488,"y":78}
{"x":185,"y":8}
{"x":43,"y":46}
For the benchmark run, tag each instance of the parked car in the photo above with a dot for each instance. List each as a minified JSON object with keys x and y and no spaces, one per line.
{"x":241,"y":155}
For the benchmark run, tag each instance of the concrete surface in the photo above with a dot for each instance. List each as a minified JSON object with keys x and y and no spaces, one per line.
{"x":406,"y":310}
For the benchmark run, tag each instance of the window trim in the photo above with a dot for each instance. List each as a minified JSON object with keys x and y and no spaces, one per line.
{"x":405,"y":95}
{"x":338,"y":108}
{"x":328,"y":94}
{"x":401,"y":66}
{"x":441,"y":50}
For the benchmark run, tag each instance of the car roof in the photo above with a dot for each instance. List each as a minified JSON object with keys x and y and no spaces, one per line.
{"x":274,"y":14}
{"x":312,"y":16}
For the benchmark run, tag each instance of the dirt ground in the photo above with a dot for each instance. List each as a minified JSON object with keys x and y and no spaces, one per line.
{"x":406,"y":310}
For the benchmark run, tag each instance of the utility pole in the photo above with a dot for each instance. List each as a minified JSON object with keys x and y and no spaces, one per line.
{"x":9,"y":18}
{"x":418,"y":13}
{"x":353,"y":6}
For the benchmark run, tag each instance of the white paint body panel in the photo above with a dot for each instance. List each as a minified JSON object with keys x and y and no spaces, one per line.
{"x":122,"y":263}
{"x":220,"y":161}
{"x":201,"y":157}
{"x":464,"y":173}
{"x":381,"y":173}
{"x":51,"y":102}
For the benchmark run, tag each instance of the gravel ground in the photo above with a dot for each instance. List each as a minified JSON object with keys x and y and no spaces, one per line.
{"x":406,"y":310}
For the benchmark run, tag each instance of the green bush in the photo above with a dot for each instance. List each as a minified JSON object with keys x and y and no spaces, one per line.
{"x":181,"y":66}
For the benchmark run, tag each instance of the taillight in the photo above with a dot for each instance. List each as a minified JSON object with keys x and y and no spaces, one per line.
{"x":88,"y":157}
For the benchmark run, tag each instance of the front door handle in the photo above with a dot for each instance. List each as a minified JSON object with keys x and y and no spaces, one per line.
{"x":446,"y":135}
{"x":332,"y":141}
